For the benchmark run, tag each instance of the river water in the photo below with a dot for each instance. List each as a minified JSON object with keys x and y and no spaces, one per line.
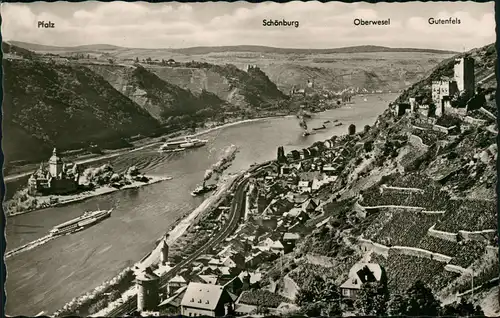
{"x":48,"y":276}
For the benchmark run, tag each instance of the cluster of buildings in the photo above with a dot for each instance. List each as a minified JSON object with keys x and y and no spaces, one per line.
{"x":446,"y":92}
{"x":56,"y":178}
{"x":308,"y":90}
{"x":279,"y":205}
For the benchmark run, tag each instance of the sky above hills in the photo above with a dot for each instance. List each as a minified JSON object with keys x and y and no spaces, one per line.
{"x":321,"y":25}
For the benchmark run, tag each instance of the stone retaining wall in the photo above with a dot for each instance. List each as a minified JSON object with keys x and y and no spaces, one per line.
{"x":416,"y":141}
{"x":460,"y":112}
{"x":440,"y":128}
{"x":455,"y":269}
{"x":487,"y":113}
{"x":447,"y":236}
{"x":401,"y":189}
{"x":477,"y":235}
{"x":368,"y":245}
{"x":377,"y":207}
{"x":432,"y":212}
{"x":418,"y":252}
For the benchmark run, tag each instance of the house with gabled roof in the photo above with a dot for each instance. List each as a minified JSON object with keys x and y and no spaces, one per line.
{"x":205,"y":279}
{"x":175,"y":283}
{"x":206,"y":300}
{"x":172,"y":305}
{"x":360,"y":274}
{"x":309,"y":206}
{"x":278,"y":247}
{"x":289,"y":241}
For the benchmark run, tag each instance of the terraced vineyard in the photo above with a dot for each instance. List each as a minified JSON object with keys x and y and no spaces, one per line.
{"x":432,"y":199}
{"x":468,"y":215}
{"x":405,"y":228}
{"x":414,"y":180}
{"x":403,"y":271}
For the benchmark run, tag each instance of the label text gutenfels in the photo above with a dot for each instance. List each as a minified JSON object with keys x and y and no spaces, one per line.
{"x":444,"y":21}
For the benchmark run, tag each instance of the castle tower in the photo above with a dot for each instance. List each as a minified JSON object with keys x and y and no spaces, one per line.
{"x":55,"y":164}
{"x":148,"y":296}
{"x":464,"y":75}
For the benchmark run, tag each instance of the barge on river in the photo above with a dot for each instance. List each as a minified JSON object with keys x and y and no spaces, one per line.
{"x":87,"y":219}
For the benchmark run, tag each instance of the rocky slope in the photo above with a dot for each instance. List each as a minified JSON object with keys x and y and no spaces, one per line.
{"x":63,"y":105}
{"x":248,"y":90}
{"x":162,"y":99}
{"x":70,"y":103}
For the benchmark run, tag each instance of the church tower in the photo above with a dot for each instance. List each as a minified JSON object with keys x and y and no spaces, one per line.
{"x":55,"y":164}
{"x":164,"y":251}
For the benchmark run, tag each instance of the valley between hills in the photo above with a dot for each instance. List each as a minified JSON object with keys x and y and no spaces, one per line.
{"x":110,"y":96}
{"x":412,"y":193}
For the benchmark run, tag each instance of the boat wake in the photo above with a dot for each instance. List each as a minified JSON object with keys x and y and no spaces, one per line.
{"x":31,"y":245}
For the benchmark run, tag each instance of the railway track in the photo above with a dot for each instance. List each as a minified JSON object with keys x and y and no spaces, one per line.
{"x":236,"y":212}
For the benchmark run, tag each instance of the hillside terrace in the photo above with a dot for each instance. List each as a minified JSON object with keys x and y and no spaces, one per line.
{"x":401,"y":228}
{"x":432,"y":199}
{"x":429,"y":137}
{"x":405,"y":270}
{"x":468,"y":215}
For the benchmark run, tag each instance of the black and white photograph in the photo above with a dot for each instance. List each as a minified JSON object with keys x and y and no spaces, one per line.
{"x":296,"y":159}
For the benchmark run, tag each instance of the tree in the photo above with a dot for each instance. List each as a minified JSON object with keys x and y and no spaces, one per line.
{"x":373,"y":298}
{"x":319,"y":297}
{"x":352,"y":129}
{"x":417,"y":301}
{"x":462,"y":309}
{"x":366,"y":129}
{"x":136,"y":59}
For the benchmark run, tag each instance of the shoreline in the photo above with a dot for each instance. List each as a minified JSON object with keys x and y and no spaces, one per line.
{"x":14,"y":177}
{"x":91,"y":194}
{"x":180,"y":226}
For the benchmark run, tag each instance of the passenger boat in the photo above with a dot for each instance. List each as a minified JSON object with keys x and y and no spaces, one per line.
{"x":87,"y":219}
{"x":174,"y":146}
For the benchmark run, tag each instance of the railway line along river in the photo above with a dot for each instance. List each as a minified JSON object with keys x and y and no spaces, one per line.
{"x":83,"y":260}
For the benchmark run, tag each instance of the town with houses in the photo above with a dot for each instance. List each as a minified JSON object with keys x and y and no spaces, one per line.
{"x":257,"y":269}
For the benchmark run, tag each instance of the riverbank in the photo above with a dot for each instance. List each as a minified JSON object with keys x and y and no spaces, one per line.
{"x":179,"y":230}
{"x":141,"y":145}
{"x":44,"y":202}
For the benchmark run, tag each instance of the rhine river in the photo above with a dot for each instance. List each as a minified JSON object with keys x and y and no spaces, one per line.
{"x":48,"y":276}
